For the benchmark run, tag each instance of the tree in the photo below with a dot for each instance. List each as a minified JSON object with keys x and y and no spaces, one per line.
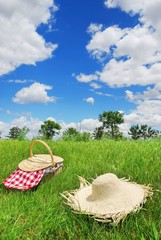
{"x":49,"y":129}
{"x":0,"y":134}
{"x":110,"y":121}
{"x":71,"y":131}
{"x":18,"y":133}
{"x":70,"y":134}
{"x":23,"y":132}
{"x":142,"y":132}
{"x":98,"y":133}
{"x":84,"y":136}
{"x":134,"y":131}
{"x":14,"y":133}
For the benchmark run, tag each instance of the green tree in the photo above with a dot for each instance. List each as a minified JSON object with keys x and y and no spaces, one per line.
{"x":142,"y":132}
{"x":18,"y":133}
{"x":84,"y":136}
{"x":49,"y":129}
{"x":134,"y":131}
{"x":98,"y":133}
{"x":23,"y":132}
{"x":14,"y":133}
{"x":0,"y":134}
{"x":110,"y":121}
{"x":70,"y":134}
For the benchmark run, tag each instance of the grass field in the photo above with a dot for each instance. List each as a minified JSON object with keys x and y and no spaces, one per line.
{"x":42,"y":215}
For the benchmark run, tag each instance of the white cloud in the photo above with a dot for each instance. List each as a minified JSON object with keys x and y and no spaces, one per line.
{"x":148,"y":94}
{"x":86,"y":125}
{"x":149,"y":10}
{"x":127,"y":6}
{"x":95,"y":85}
{"x":35,"y":93}
{"x":51,"y":119}
{"x":19,"y":42}
{"x":131,"y":56}
{"x":104,"y":94}
{"x":86,"y":78}
{"x":20,"y":81}
{"x":32,"y":123}
{"x":93,"y":28}
{"x":148,"y":107}
{"x":89,"y":124}
{"x":89,"y":100}
{"x":102,"y":41}
{"x":3,"y":129}
{"x":134,"y":54}
{"x":126,"y":73}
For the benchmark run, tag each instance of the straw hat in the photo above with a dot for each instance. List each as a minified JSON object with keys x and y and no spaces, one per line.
{"x":39,"y":161}
{"x":108,"y":198}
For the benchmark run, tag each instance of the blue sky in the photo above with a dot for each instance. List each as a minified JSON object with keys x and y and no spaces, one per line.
{"x":71,"y":60}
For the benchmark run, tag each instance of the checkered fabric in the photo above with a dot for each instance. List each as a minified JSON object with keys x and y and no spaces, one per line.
{"x":23,"y":180}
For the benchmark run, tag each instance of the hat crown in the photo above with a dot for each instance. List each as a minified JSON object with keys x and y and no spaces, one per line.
{"x":104,"y":185}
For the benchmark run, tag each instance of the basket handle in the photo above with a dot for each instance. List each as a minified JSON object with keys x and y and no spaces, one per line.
{"x":43,"y":143}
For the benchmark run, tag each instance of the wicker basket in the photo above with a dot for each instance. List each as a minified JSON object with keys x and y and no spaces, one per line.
{"x":33,"y":170}
{"x":40,"y":161}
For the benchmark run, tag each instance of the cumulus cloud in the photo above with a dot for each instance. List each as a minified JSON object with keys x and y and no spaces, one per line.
{"x":33,"y":124}
{"x":19,"y":42}
{"x":35,"y":93}
{"x":93,"y":28}
{"x":86,"y":78}
{"x":131,"y":56}
{"x":102,"y":41}
{"x":129,"y":7}
{"x":89,"y":100}
{"x":95,"y":85}
{"x":86,"y":125}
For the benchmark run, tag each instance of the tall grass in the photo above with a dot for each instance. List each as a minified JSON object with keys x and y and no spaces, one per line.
{"x":42,"y":215}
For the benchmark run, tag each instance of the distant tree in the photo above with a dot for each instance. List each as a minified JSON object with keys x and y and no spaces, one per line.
{"x":152,"y":133}
{"x":71,"y":131}
{"x":142,"y":132}
{"x":98,"y":133}
{"x":84,"y":136}
{"x":49,"y":129}
{"x":70,"y":134}
{"x":14,"y":133}
{"x":18,"y":133}
{"x":23,"y":132}
{"x":0,"y":134}
{"x":134,"y":131}
{"x":110,"y":121}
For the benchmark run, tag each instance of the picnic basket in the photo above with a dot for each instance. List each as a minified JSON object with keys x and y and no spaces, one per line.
{"x":32,"y":170}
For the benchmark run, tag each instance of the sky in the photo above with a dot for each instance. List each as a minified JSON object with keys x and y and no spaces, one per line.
{"x":69,"y":61}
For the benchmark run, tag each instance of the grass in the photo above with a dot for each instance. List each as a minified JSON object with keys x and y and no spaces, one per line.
{"x":42,"y":215}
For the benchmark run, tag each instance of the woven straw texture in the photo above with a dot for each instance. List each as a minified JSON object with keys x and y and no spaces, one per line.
{"x":108,"y":199}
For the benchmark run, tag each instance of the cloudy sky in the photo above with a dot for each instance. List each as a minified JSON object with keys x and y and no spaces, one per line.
{"x":71,"y":60}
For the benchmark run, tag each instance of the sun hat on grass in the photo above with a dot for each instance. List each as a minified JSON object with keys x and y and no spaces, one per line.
{"x":39,"y":161}
{"x":108,"y":198}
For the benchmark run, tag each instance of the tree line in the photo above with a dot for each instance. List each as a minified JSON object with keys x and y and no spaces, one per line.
{"x":109,"y":129}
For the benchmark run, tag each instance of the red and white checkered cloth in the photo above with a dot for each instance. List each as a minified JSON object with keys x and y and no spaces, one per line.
{"x":23,"y":180}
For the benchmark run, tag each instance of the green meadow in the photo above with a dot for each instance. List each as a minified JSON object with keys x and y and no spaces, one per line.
{"x":42,"y":214}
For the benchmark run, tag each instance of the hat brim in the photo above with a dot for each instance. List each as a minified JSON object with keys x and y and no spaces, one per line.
{"x":38,"y":161}
{"x":128,"y":198}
